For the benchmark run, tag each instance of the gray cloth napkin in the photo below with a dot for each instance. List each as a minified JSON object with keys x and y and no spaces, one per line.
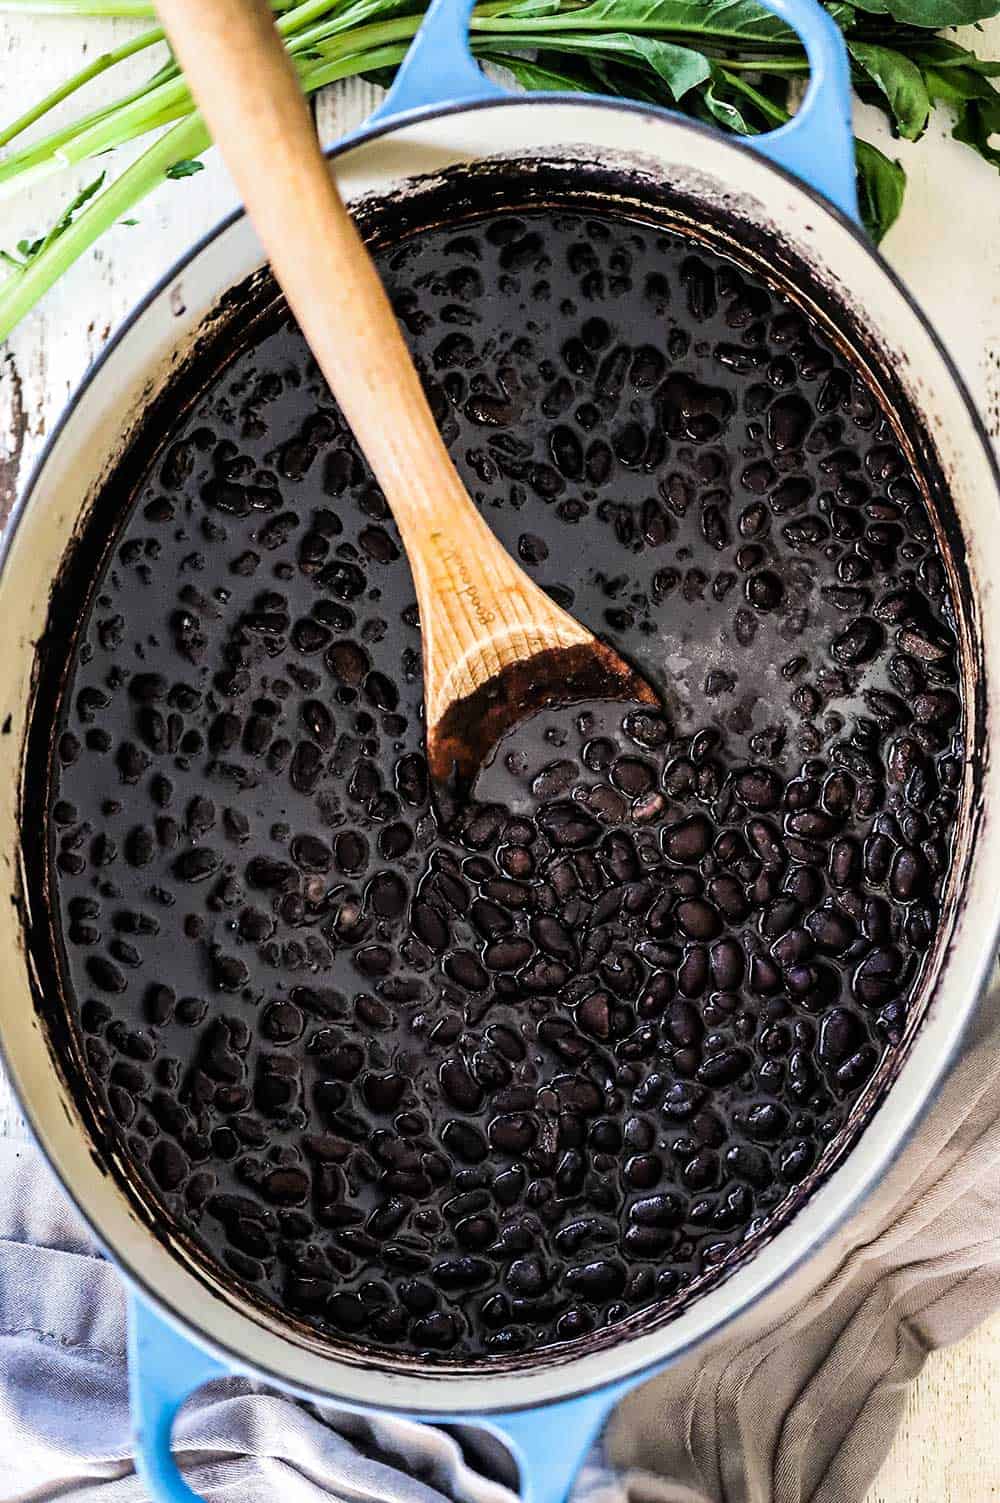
{"x":796,"y":1405}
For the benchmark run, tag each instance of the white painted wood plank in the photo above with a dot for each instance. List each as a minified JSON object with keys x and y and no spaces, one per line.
{"x":46,"y":356}
{"x":344,"y":107}
{"x":947,"y":1450}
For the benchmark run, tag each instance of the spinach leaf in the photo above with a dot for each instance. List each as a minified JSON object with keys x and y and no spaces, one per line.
{"x":184,"y":169}
{"x":881,"y":185}
{"x":731,"y":20}
{"x":939,"y":53}
{"x":532,"y":75}
{"x":902,"y":83}
{"x":937,"y":14}
{"x":975,"y":104}
{"x":680,"y":68}
{"x":723,"y":110}
{"x":978,"y":123}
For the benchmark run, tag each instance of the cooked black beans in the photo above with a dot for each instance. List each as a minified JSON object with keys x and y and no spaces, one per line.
{"x":478,"y":1089}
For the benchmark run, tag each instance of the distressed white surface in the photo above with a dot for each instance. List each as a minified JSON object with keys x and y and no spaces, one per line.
{"x":946,"y":248}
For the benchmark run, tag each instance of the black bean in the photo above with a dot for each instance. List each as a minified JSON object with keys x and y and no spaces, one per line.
{"x":568,"y":826}
{"x":465,"y":1141}
{"x":688,"y":840}
{"x":759,"y":788}
{"x":554,"y":938}
{"x":632,"y":776}
{"x":462,"y":967}
{"x":698,"y":919}
{"x":311,"y":854}
{"x":724,"y":1068}
{"x":861,"y":642}
{"x":196,"y":865}
{"x":602,"y":1279}
{"x":765,"y":590}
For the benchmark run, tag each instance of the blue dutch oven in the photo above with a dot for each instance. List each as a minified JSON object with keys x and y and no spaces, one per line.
{"x":787,"y":201}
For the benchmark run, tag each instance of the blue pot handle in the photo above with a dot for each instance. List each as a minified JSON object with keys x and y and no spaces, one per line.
{"x":439,"y":67}
{"x":551,"y":1443}
{"x":164,"y":1368}
{"x":817,"y":145}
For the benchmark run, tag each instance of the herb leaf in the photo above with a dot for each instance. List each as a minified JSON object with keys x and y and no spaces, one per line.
{"x":30,"y":249}
{"x":902,"y":83}
{"x":881,"y":185}
{"x":735,"y":20}
{"x":976,"y":106}
{"x":937,"y":14}
{"x":531,"y":75}
{"x":186,"y":168}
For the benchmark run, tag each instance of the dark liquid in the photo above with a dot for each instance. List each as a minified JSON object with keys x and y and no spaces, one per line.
{"x":488,"y":1089}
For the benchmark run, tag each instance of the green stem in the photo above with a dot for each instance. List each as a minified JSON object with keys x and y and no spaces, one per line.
{"x":23,"y":289}
{"x":77,"y":80}
{"x":129,"y":9}
{"x":107,"y":9}
{"x":342,"y":20}
{"x":52,"y":145}
{"x":791,"y":65}
{"x":771,"y":111}
{"x":149,"y":106}
{"x":298,"y":16}
{"x":580,"y":20}
{"x":370,"y":62}
{"x":100,"y":131}
{"x":190,"y":138}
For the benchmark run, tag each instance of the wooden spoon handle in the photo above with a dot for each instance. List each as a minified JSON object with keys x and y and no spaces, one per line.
{"x":250,"y":97}
{"x":478,"y":609}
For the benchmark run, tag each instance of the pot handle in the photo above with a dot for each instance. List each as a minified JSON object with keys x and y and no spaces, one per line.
{"x":817,"y":145}
{"x":164,"y":1368}
{"x":439,"y":67}
{"x":550,"y":1443}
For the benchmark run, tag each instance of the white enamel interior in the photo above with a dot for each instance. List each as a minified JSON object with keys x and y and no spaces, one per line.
{"x":89,"y":440}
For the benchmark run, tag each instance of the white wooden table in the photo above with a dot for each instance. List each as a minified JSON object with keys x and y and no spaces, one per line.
{"x":946,"y":247}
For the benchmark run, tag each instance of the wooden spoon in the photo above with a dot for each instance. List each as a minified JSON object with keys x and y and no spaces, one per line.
{"x":495,"y":647}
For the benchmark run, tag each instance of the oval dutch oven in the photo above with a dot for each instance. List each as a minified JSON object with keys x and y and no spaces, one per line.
{"x":786,"y":201}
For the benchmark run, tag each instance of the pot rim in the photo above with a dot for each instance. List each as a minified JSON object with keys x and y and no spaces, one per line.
{"x":833,"y":1219}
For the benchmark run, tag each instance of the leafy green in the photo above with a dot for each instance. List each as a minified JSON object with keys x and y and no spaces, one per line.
{"x":729,"y":20}
{"x":975,"y":105}
{"x":30,"y":249}
{"x":881,"y":185}
{"x":902,"y":83}
{"x":680,"y":68}
{"x":723,"y":109}
{"x":730,"y":63}
{"x":531,"y":75}
{"x":977,"y":124}
{"x":935,"y":15}
{"x":184,"y":169}
{"x":938,"y":53}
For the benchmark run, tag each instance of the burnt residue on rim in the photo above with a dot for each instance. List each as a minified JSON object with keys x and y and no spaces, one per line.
{"x":452,"y":198}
